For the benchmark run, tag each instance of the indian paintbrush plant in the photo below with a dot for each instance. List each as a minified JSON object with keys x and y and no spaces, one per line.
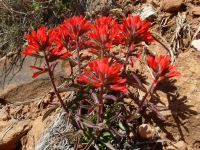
{"x":97,"y":112}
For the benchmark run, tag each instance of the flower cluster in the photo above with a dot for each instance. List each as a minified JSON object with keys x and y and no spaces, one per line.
{"x":105,"y":76}
{"x":135,"y":30}
{"x":101,"y":74}
{"x":161,"y":68}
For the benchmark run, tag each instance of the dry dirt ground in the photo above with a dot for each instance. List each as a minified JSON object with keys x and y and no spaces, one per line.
{"x":181,"y":94}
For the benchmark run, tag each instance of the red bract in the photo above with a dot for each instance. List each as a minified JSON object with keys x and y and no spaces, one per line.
{"x":76,"y":26}
{"x":134,"y":30}
{"x":38,"y":41}
{"x":161,"y":68}
{"x":40,"y":44}
{"x":101,"y":73}
{"x":41,"y":71}
{"x":61,"y":36}
{"x":58,"y":52}
{"x":104,"y":33}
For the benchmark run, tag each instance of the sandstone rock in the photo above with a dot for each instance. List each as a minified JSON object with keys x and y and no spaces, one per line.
{"x":4,"y":124}
{"x":35,"y":133}
{"x":148,"y":13}
{"x":171,"y":5}
{"x":196,"y":11}
{"x":145,"y":131}
{"x":19,"y":84}
{"x":196,"y":44}
{"x":4,"y":116}
{"x":179,"y":145}
{"x":11,"y":135}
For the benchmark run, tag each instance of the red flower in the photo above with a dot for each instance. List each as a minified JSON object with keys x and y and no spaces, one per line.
{"x":58,"y":52}
{"x":161,"y":68}
{"x":76,"y":26}
{"x":104,"y":33}
{"x":41,"y":71}
{"x":61,"y":36}
{"x":38,"y":41}
{"x":101,"y":73}
{"x":134,"y":30}
{"x":40,"y":44}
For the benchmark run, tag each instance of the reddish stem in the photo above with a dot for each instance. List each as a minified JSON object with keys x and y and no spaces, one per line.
{"x":78,"y":58}
{"x":126,"y":61}
{"x":53,"y":83}
{"x":101,"y":105}
{"x":144,"y":98}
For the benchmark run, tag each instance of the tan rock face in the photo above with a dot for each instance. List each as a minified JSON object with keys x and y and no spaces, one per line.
{"x":184,"y":113}
{"x":145,"y":131}
{"x":171,"y":5}
{"x":179,"y":145}
{"x":23,"y":81}
{"x":196,"y":11}
{"x":4,"y":116}
{"x":12,"y":133}
{"x":35,"y":133}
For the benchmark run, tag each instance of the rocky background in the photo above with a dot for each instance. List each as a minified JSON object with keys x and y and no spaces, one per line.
{"x":175,"y":23}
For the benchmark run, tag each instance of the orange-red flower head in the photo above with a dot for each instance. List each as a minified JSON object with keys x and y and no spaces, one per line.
{"x":40,"y":44}
{"x":61,"y":37}
{"x":104,"y":33}
{"x":38,"y":41}
{"x":76,"y":26}
{"x":135,"y":30}
{"x":161,"y":68}
{"x":101,"y":73}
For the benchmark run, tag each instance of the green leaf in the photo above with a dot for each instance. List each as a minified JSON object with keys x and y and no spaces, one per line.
{"x":49,"y":111}
{"x":69,"y":133}
{"x":112,"y":97}
{"x":122,"y":126}
{"x":60,"y":90}
{"x":89,"y":144}
{"x":106,"y":133}
{"x":85,"y":106}
{"x":108,"y":145}
{"x":114,"y":117}
{"x":36,"y":5}
{"x":137,"y":115}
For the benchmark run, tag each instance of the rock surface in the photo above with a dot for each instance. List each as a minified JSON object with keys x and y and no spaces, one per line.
{"x":172,"y":5}
{"x":181,"y":94}
{"x":34,"y":134}
{"x":12,"y":133}
{"x":20,"y":79}
{"x":179,"y":145}
{"x":196,"y":11}
{"x":145,"y":131}
{"x":4,"y":116}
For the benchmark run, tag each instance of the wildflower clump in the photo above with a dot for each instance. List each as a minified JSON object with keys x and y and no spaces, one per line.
{"x":97,"y":111}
